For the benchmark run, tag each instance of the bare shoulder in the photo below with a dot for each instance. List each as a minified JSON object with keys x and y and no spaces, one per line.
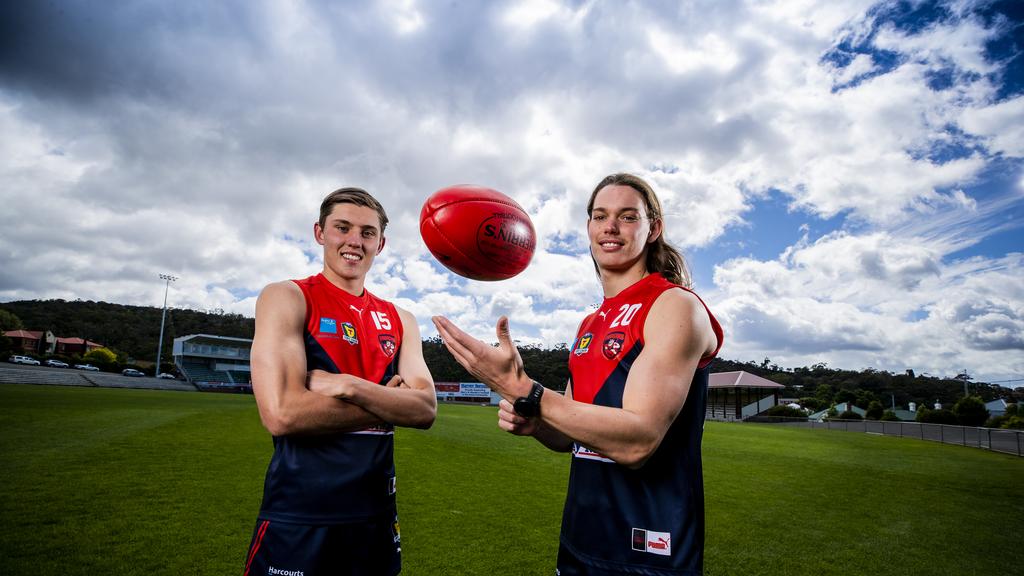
{"x":409,"y":324}
{"x":281,"y":300}
{"x":681,"y":313}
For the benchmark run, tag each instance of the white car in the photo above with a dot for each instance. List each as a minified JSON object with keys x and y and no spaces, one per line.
{"x":87,"y":367}
{"x":131,"y":372}
{"x":166,"y":376}
{"x":23,"y":360}
{"x":56,"y":363}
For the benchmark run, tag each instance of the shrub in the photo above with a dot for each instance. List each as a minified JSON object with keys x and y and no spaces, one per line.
{"x":970,"y":411}
{"x":943,"y":416}
{"x":813,"y":403}
{"x":1014,"y":423}
{"x":996,"y":421}
{"x":890,"y":416}
{"x":850,"y":415}
{"x":875,"y":410}
{"x":103,"y":358}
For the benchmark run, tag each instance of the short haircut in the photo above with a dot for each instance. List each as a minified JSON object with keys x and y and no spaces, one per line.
{"x":351,"y":195}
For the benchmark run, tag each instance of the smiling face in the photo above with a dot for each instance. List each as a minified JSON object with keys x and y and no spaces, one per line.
{"x":620,"y":230}
{"x":351,"y":236}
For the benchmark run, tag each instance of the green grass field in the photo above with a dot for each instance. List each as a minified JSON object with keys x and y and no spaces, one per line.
{"x":100,"y":481}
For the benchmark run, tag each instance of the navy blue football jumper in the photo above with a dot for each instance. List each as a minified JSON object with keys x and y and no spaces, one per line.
{"x":617,"y":520}
{"x":344,"y":477}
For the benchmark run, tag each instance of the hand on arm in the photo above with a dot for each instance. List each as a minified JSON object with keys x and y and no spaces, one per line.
{"x":278,"y":362}
{"x":408,"y":399}
{"x":513,"y":423}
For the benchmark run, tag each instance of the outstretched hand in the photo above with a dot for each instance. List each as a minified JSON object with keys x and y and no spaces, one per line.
{"x":500,"y":368}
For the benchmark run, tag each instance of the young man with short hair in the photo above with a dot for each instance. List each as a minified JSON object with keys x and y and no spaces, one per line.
{"x":334,"y":370}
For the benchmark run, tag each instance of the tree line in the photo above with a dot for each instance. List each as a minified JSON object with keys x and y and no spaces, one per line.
{"x":132,"y":333}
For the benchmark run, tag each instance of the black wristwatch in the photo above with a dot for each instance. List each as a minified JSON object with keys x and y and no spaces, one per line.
{"x":529,"y":406}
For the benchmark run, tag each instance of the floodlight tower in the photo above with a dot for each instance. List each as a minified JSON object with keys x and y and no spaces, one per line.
{"x":163,"y":319}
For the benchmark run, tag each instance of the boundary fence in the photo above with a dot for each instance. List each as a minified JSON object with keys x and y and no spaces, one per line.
{"x":994,"y":439}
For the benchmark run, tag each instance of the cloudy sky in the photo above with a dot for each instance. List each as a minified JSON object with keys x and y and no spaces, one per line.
{"x":846,"y":177}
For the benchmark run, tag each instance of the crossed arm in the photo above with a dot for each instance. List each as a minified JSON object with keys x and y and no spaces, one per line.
{"x":677,"y":335}
{"x":332,"y":402}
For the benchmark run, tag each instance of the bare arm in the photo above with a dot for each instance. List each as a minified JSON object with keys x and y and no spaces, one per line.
{"x":677,"y":334}
{"x":411,"y":403}
{"x":278,"y":362}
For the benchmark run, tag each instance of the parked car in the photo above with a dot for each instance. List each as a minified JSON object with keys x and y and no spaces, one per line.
{"x":131,"y":372}
{"x":166,"y":376}
{"x":87,"y":367}
{"x":23,"y":360}
{"x":53,"y":363}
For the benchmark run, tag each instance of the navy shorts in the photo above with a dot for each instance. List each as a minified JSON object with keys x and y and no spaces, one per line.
{"x":285,"y":549}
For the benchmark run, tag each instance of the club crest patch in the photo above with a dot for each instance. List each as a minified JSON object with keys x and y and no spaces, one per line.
{"x":583,"y":344}
{"x":348,"y":333}
{"x":387,"y":344}
{"x":613,"y":344}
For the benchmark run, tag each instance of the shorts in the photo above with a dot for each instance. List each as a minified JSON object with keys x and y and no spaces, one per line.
{"x":364,"y":549}
{"x":569,"y":564}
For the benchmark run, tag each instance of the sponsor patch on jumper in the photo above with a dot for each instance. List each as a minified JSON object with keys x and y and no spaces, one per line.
{"x":348,"y":333}
{"x":328,"y":325}
{"x":580,"y":451}
{"x":382,"y":430}
{"x":271,"y":571}
{"x":583,"y":344}
{"x":659,"y":543}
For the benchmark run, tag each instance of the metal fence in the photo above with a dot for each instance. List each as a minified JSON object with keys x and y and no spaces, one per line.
{"x":995,"y":439}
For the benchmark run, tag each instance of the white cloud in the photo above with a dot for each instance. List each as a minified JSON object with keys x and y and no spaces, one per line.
{"x":203,"y":146}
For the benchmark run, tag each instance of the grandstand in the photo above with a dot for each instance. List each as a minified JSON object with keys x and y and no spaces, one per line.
{"x":214,"y":363}
{"x":739,"y":395}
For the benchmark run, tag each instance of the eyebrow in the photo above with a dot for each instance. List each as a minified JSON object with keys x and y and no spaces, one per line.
{"x":344,"y":222}
{"x":629,"y":209}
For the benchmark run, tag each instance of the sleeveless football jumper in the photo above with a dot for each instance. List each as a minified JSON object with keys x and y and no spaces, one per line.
{"x":618,"y":520}
{"x":343,"y":477}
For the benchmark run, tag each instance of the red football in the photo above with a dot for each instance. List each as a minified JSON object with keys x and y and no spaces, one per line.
{"x":477,"y":232}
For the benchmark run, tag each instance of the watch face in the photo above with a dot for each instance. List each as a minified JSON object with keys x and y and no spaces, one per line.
{"x":525,"y":408}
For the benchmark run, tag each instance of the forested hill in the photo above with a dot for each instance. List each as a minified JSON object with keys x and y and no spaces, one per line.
{"x":135,"y":330}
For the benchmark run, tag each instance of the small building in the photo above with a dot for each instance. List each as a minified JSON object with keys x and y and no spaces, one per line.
{"x":32,"y":341}
{"x":904,"y":415}
{"x":75,"y":346}
{"x":739,"y":395}
{"x":996,"y":408}
{"x":840,"y":408}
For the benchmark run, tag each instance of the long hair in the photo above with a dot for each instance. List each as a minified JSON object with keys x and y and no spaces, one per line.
{"x":351,"y":195}
{"x":662,"y":257}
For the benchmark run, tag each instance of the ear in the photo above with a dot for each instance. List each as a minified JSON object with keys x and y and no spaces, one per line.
{"x":318,"y":233}
{"x":656,"y":228}
{"x":383,"y":240}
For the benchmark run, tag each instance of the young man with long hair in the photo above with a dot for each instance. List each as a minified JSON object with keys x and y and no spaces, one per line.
{"x":633,"y":411}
